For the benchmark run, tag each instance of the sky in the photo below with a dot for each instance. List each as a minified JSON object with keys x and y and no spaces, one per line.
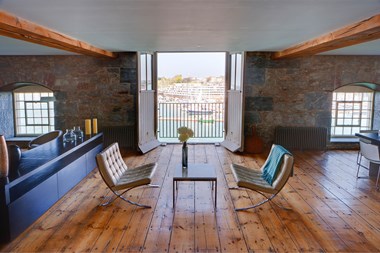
{"x":191,"y":64}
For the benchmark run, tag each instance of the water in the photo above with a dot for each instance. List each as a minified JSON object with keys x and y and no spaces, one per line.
{"x":205,"y":119}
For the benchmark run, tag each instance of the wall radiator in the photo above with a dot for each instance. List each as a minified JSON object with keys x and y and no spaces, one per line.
{"x":124,"y":135}
{"x":301,"y":138}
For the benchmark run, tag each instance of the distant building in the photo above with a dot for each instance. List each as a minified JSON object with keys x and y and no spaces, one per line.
{"x":205,"y":90}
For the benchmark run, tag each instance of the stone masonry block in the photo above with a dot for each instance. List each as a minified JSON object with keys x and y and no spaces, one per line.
{"x":251,"y":118}
{"x":255,"y":76}
{"x":317,"y":101}
{"x":259,"y":103}
{"x":128,"y":75}
{"x":323,"y":119}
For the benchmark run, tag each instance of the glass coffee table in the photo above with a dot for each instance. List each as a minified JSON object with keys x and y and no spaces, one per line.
{"x":195,"y":172}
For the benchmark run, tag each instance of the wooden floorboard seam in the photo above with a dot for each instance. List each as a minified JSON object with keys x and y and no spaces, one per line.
{"x":330,"y":210}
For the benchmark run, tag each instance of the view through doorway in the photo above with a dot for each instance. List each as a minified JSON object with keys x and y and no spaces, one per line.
{"x":191,"y":92}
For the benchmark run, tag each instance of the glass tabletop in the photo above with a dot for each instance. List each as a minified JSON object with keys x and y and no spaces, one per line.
{"x":195,"y":172}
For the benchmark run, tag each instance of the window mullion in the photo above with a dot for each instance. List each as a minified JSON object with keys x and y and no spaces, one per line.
{"x":33,"y":119}
{"x":353,"y":111}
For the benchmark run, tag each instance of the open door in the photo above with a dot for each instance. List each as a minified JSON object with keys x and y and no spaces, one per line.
{"x":234,"y":101}
{"x":146,"y":105}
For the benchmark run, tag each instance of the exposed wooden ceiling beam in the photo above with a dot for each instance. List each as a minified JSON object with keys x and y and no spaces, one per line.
{"x":360,"y":32}
{"x":18,"y":28}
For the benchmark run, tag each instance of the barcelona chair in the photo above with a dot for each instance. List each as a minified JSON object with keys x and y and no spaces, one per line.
{"x":253,"y":179}
{"x":119,"y":178}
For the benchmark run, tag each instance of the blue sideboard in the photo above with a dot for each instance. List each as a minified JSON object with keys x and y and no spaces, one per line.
{"x":44,"y":175}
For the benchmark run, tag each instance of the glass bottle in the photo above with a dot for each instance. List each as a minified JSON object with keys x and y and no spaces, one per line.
{"x":69,"y":136}
{"x":78,"y":133}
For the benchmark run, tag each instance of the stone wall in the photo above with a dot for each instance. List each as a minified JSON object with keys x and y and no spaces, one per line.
{"x":298,"y":92}
{"x":85,"y":87}
{"x":295,"y":92}
{"x":376,"y":112}
{"x":6,"y":115}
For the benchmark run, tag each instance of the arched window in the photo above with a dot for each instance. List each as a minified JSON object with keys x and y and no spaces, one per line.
{"x":352,"y":110}
{"x":33,"y":110}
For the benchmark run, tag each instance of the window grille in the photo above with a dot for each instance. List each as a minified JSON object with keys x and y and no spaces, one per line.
{"x":34,"y":113}
{"x":351,"y":112}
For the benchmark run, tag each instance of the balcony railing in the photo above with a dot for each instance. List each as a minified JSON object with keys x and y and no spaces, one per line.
{"x":206,"y":120}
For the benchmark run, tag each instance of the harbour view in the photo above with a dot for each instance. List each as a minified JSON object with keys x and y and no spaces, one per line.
{"x":194,"y":102}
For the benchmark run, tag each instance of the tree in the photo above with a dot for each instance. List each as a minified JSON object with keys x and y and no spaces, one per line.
{"x":177,"y":79}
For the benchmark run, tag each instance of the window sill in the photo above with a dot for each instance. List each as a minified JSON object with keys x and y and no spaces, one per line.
{"x":20,"y":138}
{"x":22,"y":142}
{"x":344,"y":140}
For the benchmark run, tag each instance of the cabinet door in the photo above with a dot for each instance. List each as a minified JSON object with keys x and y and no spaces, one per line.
{"x":71,"y":175}
{"x":29,"y":207}
{"x":91,"y":158}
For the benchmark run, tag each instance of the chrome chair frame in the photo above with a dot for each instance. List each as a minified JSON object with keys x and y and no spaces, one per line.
{"x":251,"y":179}
{"x":119,"y":178}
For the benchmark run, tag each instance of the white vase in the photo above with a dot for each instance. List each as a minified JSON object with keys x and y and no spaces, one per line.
{"x":4,"y":164}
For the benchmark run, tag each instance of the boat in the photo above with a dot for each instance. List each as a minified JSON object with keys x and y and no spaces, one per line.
{"x":199,"y":112}
{"x":211,"y":121}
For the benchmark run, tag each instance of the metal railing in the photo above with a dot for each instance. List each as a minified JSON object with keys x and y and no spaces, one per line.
{"x":205,"y":119}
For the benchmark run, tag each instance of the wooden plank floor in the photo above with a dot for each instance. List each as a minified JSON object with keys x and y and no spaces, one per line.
{"x":331,"y":211}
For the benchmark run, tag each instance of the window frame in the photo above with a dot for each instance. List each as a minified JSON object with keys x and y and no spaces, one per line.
{"x":146,"y":71}
{"x":235,"y":71}
{"x":33,"y":103}
{"x":343,"y":112}
{"x":22,"y":108}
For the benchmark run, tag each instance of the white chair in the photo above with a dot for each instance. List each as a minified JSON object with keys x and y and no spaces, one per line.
{"x":118,"y":177}
{"x":364,"y":131}
{"x":253,"y":179}
{"x":371,"y":153}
